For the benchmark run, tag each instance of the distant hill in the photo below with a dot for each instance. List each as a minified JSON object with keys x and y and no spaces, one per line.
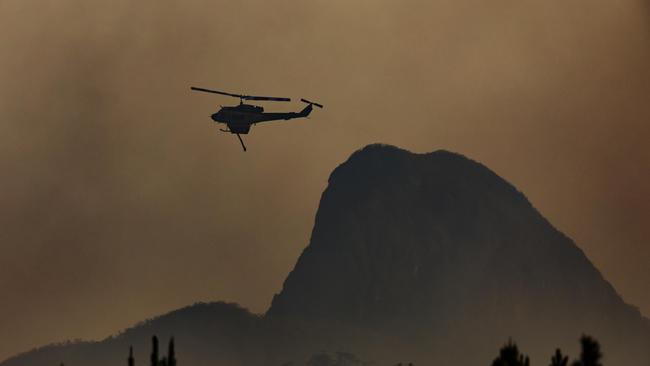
{"x":205,"y":334}
{"x":430,"y":258}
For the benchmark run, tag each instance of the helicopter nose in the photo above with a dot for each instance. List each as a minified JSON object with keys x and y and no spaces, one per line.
{"x":214,"y":116}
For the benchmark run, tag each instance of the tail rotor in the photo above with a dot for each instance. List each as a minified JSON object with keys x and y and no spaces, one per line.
{"x":311,"y":103}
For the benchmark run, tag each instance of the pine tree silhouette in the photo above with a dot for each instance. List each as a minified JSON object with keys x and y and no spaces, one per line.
{"x":509,"y":356}
{"x":559,"y":359}
{"x":131,"y":359}
{"x":171,"y":355}
{"x":154,"y":353}
{"x":591,"y":354}
{"x":170,"y":360}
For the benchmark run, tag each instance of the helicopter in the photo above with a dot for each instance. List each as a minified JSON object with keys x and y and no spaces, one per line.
{"x":240,"y":118}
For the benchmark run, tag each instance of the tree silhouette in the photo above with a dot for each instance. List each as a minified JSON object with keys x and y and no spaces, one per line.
{"x":559,"y":359}
{"x":170,"y":360}
{"x":171,"y":355}
{"x":154,"y":353}
{"x":590,"y":355}
{"x":509,"y":356}
{"x":131,"y":359}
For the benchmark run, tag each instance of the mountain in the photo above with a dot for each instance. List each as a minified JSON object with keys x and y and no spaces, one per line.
{"x":440,"y":246}
{"x":430,"y":258}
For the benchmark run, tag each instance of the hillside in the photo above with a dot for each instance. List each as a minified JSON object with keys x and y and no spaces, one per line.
{"x":430,"y":258}
{"x":440,"y":246}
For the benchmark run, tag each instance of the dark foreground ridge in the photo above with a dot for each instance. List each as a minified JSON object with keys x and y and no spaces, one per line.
{"x":431,"y":258}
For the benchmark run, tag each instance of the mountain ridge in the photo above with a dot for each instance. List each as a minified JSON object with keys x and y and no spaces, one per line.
{"x":431,"y":243}
{"x":412,"y":250}
{"x":393,"y":154}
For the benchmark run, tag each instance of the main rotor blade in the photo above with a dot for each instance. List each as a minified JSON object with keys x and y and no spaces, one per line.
{"x":274,"y":99}
{"x":217,"y":92}
{"x":245,"y":97}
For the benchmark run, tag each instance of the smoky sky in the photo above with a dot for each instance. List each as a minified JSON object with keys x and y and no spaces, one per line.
{"x":119,"y":199}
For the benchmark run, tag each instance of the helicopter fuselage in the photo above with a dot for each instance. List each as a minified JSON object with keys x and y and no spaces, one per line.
{"x":240,"y":118}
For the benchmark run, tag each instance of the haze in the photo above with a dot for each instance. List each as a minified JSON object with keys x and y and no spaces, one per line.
{"x":119,"y":200}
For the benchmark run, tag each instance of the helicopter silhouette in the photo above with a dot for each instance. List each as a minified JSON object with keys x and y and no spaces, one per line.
{"x":240,"y":118}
